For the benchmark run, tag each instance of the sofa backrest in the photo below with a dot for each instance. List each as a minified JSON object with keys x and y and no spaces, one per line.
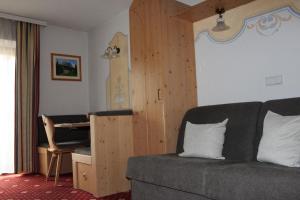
{"x":283,"y":107}
{"x":63,"y":134}
{"x":240,"y":130}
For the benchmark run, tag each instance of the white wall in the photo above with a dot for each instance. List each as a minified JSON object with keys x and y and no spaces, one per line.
{"x":63,"y":97}
{"x":99,"y":67}
{"x":235,"y":71}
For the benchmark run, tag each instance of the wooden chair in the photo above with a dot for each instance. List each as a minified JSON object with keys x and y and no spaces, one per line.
{"x":56,"y":152}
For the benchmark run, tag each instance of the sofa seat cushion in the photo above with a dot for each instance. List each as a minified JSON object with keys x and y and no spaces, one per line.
{"x":252,"y":181}
{"x":83,"y":151}
{"x":69,"y":144}
{"x":186,"y":174}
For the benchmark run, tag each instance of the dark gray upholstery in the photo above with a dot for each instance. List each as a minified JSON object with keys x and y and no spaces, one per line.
{"x":69,"y":144}
{"x":186,"y":174}
{"x":145,"y":191}
{"x":240,"y":129}
{"x":252,"y":181}
{"x":112,"y":113}
{"x":83,"y":150}
{"x":240,"y":177}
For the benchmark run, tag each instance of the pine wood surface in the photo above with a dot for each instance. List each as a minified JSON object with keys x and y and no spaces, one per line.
{"x":118,"y":81}
{"x":103,"y":173}
{"x":112,"y":146}
{"x":163,"y":72}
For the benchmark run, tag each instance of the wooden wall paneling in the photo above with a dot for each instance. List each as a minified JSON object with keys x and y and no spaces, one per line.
{"x":126,"y":149}
{"x":208,"y":8}
{"x":119,"y":74}
{"x":113,"y":153}
{"x":107,"y":83}
{"x":97,"y":145}
{"x":104,"y":153}
{"x":184,"y":78}
{"x":173,"y":8}
{"x":138,"y":78}
{"x":190,"y":68}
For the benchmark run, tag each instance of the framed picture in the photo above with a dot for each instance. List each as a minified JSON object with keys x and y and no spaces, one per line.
{"x":65,"y":67}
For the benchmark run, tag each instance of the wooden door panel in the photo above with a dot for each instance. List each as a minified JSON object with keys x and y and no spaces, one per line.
{"x":154,"y":67}
{"x":156,"y":136}
{"x":138,"y":71}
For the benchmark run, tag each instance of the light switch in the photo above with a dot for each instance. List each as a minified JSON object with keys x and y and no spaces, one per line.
{"x":274,"y":80}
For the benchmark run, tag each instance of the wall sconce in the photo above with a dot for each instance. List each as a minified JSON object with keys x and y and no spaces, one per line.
{"x":221,"y":26}
{"x":111,"y":52}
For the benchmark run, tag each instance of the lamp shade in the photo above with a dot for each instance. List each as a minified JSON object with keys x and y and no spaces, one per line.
{"x":221,"y":26}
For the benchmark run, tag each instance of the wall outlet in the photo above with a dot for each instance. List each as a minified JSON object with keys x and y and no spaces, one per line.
{"x":274,"y":80}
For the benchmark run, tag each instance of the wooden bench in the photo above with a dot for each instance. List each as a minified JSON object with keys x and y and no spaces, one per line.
{"x":103,"y":172}
{"x":63,"y":136}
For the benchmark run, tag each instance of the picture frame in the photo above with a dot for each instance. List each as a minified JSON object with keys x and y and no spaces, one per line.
{"x":65,"y":67}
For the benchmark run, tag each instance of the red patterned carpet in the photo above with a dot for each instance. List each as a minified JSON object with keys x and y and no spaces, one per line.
{"x":34,"y":187}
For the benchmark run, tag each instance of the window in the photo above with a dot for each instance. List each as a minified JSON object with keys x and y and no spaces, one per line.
{"x":7,"y":100}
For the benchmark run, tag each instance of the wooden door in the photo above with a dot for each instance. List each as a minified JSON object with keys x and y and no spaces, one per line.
{"x":163,"y":73}
{"x":148,"y":104}
{"x":154,"y":69}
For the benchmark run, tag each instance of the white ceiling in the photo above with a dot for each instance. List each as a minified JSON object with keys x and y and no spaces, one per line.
{"x":76,"y":14}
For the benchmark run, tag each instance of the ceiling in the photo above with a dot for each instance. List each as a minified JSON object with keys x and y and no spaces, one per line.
{"x":76,"y":14}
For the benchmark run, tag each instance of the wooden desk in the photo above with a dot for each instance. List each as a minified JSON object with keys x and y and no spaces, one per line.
{"x":73,"y":125}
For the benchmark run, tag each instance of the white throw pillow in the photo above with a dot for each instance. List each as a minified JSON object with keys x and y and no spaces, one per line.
{"x":280,"y":142}
{"x":204,"y":140}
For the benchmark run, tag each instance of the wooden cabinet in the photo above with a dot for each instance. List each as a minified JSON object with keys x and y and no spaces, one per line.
{"x":163,"y":73}
{"x":86,"y":177}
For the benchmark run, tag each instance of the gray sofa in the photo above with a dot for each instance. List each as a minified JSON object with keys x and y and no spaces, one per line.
{"x":239,"y":177}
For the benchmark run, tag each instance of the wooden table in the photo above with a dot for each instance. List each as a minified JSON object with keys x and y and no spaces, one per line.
{"x":73,"y":125}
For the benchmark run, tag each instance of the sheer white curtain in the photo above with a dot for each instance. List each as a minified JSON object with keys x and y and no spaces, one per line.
{"x":7,"y":92}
